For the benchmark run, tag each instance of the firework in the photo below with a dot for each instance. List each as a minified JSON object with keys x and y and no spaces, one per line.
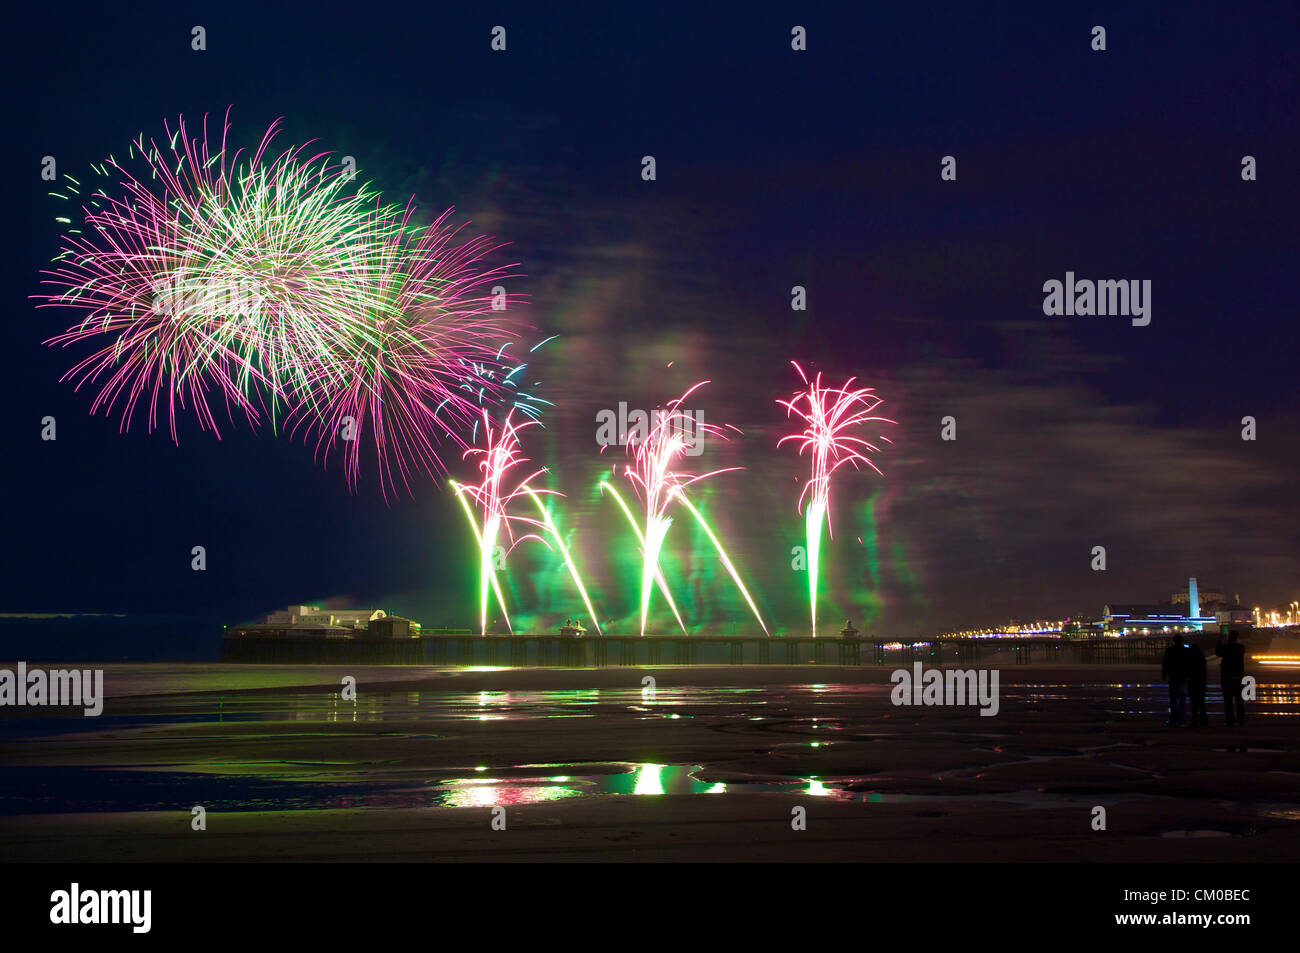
{"x":276,"y":286}
{"x":417,"y":362}
{"x":549,"y":523}
{"x":207,"y":273}
{"x":658,"y":484}
{"x":507,"y":382}
{"x":499,"y":463}
{"x":830,"y":413}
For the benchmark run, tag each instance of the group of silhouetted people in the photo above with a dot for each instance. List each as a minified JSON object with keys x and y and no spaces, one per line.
{"x":1183,"y":667}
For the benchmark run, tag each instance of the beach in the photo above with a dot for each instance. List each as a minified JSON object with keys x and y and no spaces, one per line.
{"x":707,"y":764}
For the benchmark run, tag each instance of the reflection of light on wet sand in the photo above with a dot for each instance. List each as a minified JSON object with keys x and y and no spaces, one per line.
{"x":489,"y":792}
{"x":649,"y":779}
{"x":1129,"y":699}
{"x":393,"y":759}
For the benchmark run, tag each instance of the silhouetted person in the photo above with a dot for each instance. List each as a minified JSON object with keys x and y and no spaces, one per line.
{"x":1174,"y":670}
{"x":1232,"y":669}
{"x":1196,"y":685}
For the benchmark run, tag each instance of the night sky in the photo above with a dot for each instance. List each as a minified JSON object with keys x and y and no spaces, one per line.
{"x":775,"y":168}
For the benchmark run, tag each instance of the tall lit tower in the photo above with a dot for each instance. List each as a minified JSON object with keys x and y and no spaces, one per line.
{"x":1193,"y":599}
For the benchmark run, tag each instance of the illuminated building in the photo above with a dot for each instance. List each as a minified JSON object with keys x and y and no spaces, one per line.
{"x":313,"y":622}
{"x":1211,"y":598}
{"x":315,"y":615}
{"x":1238,"y":619}
{"x":1177,"y":615}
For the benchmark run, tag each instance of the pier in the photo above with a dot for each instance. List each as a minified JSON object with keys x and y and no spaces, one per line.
{"x":631,"y":650}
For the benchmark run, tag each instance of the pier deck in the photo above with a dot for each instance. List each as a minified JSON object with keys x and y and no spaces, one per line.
{"x":609,"y":650}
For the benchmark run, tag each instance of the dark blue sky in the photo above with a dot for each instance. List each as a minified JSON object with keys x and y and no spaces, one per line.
{"x":775,"y":168}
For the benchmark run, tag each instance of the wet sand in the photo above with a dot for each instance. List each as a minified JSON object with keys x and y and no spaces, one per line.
{"x":289,"y":771}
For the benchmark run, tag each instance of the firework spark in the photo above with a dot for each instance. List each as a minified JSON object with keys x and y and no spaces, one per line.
{"x":499,"y":457}
{"x":499,"y":463}
{"x":830,"y":413}
{"x":658,"y":483}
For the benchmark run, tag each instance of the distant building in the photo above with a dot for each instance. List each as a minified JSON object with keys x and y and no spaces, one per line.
{"x":1237,"y":619}
{"x":1185,"y":615}
{"x":316,"y":616}
{"x":1211,"y":598}
{"x":302,"y":621}
{"x":1144,"y":619}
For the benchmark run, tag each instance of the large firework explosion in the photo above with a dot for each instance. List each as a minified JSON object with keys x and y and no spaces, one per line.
{"x":830,"y":414}
{"x":280,"y":287}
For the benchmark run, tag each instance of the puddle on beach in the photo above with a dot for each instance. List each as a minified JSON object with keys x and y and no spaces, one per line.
{"x":26,"y":790}
{"x":29,"y":790}
{"x":404,"y":706}
{"x":661,"y":779}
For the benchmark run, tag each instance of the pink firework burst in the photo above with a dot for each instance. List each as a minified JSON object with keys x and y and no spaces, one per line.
{"x":657,"y":454}
{"x":830,"y":414}
{"x":658,"y":481}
